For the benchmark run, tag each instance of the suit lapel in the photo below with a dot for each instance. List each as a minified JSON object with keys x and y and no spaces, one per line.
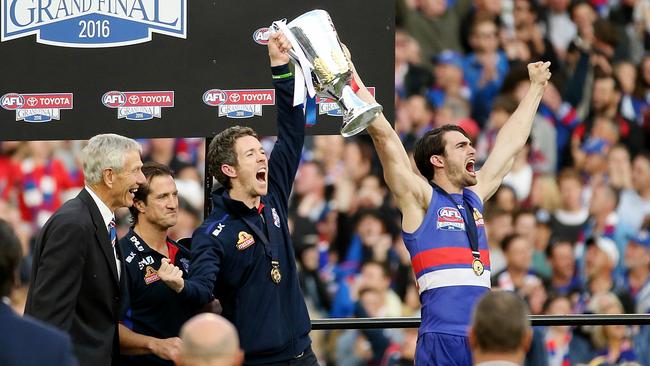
{"x":101,"y":233}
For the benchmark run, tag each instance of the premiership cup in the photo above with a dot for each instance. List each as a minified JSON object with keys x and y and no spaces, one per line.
{"x":331,"y":72}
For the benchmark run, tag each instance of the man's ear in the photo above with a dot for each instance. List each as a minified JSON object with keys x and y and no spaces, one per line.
{"x":228,"y":170}
{"x":239,"y":358}
{"x":527,"y":340}
{"x":108,"y":177}
{"x":437,"y":161}
{"x":139,"y":205}
{"x":471,"y":337}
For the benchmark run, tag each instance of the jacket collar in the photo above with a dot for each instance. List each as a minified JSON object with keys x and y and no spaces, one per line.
{"x":221,"y":199}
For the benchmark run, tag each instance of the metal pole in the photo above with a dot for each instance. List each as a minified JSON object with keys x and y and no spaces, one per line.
{"x":207,"y":182}
{"x":536,"y":320}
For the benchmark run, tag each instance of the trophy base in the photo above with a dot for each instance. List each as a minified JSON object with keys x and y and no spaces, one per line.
{"x":358,"y":118}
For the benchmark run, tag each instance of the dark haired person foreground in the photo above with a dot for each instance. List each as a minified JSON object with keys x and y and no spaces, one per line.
{"x":242,"y":254}
{"x":78,"y":269}
{"x":28,"y":342}
{"x":442,"y":217}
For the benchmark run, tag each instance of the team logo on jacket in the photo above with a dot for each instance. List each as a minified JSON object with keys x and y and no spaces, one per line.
{"x":449,"y":218}
{"x":41,"y":107}
{"x":150,"y":275}
{"x":331,"y":108}
{"x":478,"y":217}
{"x":92,"y":23}
{"x":276,"y":217}
{"x":139,"y":106}
{"x":242,"y":103}
{"x":245,"y":240}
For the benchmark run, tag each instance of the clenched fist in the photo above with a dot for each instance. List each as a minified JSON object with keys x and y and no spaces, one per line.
{"x":171,"y":275}
{"x":279,"y":47}
{"x":539,"y":72}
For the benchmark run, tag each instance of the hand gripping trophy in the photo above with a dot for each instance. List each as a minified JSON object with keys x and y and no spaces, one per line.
{"x":323,"y":68}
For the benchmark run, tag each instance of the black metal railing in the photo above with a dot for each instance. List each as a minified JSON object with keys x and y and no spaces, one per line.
{"x":536,"y":320}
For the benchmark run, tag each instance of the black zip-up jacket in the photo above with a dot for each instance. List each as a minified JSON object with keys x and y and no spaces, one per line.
{"x":231,"y":252}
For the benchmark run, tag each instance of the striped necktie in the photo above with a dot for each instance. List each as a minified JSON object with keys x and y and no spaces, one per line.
{"x":112,"y":236}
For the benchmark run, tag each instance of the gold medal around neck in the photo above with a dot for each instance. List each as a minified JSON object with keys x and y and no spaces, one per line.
{"x":276,"y":275}
{"x":477,"y":266}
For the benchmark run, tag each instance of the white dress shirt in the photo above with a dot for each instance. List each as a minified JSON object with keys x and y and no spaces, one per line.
{"x":107,"y":215}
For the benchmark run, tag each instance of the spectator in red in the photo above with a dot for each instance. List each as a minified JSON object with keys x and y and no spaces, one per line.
{"x":40,"y":180}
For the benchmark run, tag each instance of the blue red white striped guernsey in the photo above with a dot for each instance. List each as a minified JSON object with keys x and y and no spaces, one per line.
{"x":442,"y":262}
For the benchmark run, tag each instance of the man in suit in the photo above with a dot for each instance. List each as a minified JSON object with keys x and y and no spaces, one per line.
{"x":76,"y":278}
{"x":26,"y":342}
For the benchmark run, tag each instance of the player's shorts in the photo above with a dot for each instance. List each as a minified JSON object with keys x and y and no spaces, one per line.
{"x":439,"y":349}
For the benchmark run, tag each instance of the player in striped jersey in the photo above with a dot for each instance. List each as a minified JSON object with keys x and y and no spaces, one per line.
{"x":442,"y":218}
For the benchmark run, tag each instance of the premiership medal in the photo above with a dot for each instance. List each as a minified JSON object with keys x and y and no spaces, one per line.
{"x":477,"y":266}
{"x":276,"y":275}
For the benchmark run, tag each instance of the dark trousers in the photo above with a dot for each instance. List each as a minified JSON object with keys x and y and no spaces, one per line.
{"x":307,"y":358}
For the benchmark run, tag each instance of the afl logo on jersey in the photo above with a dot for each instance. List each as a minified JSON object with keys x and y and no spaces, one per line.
{"x":449,"y":218}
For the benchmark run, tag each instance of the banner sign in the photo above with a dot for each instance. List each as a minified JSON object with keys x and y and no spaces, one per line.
{"x":72,"y":69}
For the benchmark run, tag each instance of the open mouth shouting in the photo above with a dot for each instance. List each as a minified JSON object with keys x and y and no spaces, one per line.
{"x":469,"y":167}
{"x":261,"y":175}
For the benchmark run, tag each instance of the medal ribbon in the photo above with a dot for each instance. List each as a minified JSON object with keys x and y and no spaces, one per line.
{"x":472,"y":232}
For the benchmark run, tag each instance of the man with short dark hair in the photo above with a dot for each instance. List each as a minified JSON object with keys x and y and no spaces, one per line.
{"x":500,"y":332}
{"x":27,"y":342}
{"x":155,"y":313}
{"x":242,"y":254}
{"x":442,"y":216}
{"x":77,"y":272}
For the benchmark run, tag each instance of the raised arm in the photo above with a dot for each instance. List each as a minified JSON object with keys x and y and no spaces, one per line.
{"x":286,"y":153}
{"x":412,"y":192}
{"x":513,"y":135}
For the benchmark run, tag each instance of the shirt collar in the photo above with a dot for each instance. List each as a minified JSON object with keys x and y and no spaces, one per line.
{"x":106,"y":212}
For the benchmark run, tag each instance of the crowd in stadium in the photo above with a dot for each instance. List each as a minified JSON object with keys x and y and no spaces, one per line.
{"x":568,"y":230}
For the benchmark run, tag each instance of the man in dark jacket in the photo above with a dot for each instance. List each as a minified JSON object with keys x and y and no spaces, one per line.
{"x":242,"y":254}
{"x":76,"y":281}
{"x":26,"y":341}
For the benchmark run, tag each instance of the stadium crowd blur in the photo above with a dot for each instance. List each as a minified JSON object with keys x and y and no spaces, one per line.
{"x":568,"y":229}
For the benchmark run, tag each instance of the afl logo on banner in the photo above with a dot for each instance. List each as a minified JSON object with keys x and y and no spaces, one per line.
{"x":92,"y":23}
{"x":261,"y":36}
{"x":139,"y":106}
{"x":244,"y":103}
{"x":37,"y":108}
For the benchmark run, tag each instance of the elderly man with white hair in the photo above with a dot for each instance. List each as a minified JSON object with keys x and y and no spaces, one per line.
{"x":76,"y":279}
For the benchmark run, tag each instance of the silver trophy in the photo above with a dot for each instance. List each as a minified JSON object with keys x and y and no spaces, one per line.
{"x":330,"y":69}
